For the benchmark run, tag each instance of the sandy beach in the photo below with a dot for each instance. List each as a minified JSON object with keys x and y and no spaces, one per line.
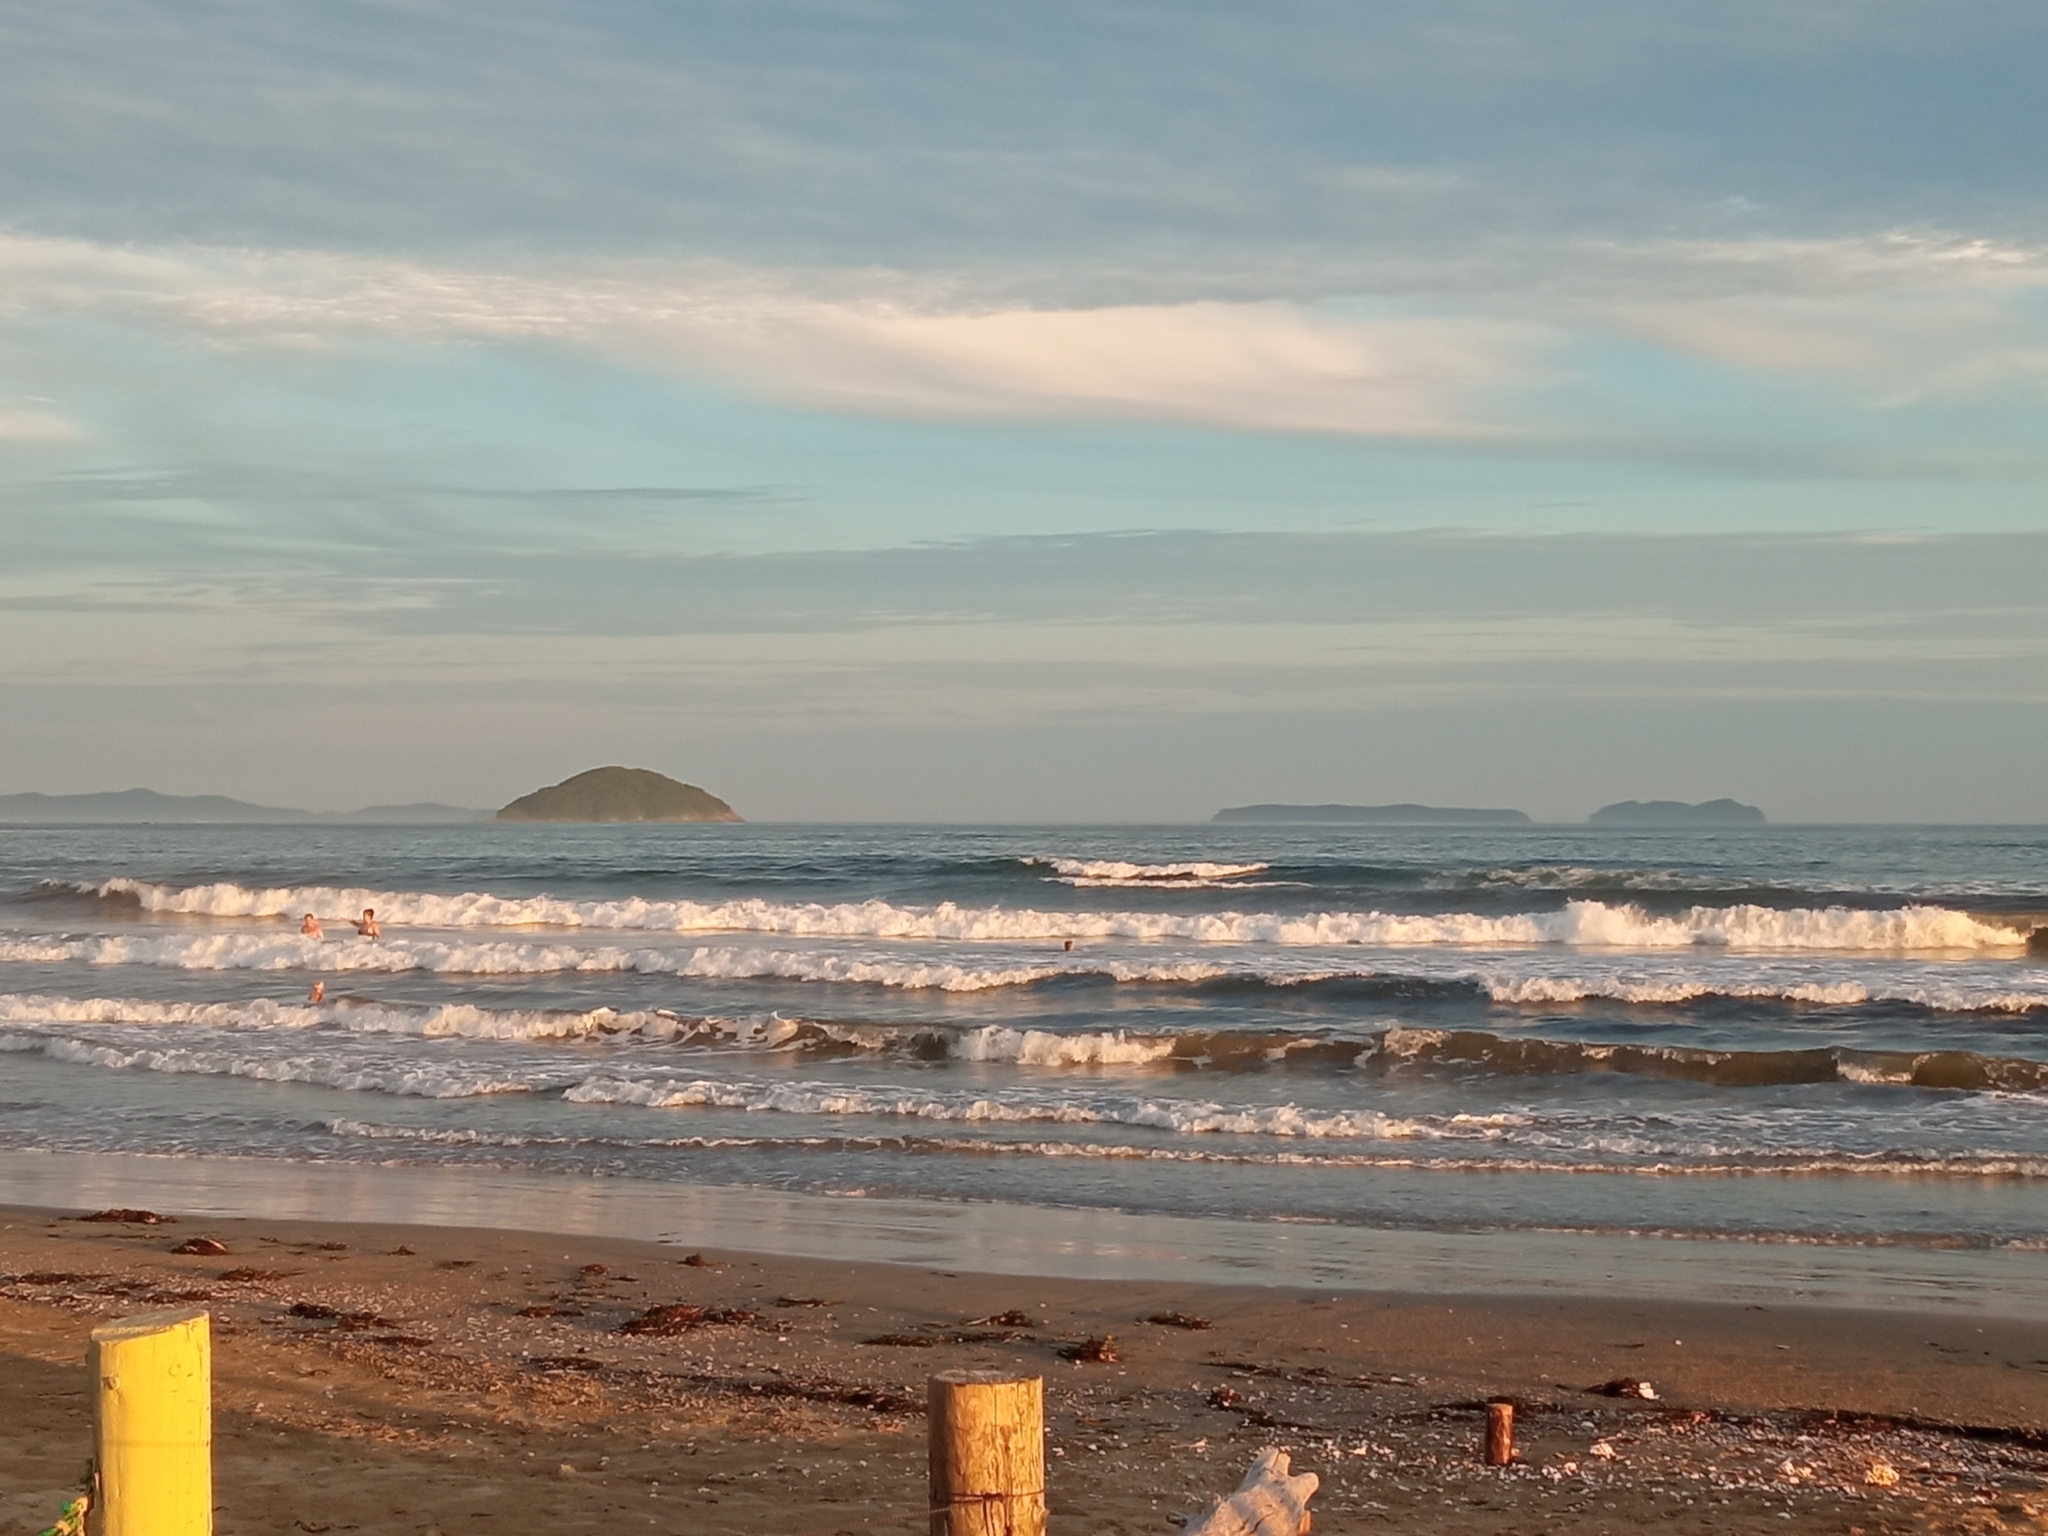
{"x":421,"y":1379}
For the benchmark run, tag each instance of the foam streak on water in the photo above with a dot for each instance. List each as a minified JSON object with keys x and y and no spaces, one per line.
{"x":1828,"y":1035}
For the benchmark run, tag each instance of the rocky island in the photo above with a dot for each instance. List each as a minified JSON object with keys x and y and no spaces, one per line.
{"x":1676,"y":813}
{"x":619,"y":794}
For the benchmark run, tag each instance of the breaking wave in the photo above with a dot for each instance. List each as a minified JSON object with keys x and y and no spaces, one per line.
{"x":1971,"y":1164}
{"x":1957,"y":990}
{"x":1579,"y":923}
{"x":1196,"y":875}
{"x":1382,"y":1050}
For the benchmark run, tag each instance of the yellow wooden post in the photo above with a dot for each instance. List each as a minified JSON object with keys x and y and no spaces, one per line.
{"x":153,"y":1425}
{"x":987,"y":1454}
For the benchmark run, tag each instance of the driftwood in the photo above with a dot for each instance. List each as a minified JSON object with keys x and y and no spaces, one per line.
{"x":1268,"y":1502}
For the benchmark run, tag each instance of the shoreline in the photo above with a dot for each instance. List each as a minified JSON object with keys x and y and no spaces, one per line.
{"x":1076,"y":1243}
{"x":388,"y":1376}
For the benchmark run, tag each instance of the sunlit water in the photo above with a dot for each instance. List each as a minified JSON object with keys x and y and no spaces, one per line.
{"x":1801,"y":1034}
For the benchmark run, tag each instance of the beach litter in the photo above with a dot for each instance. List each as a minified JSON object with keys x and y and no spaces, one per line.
{"x":1100,"y":1350}
{"x":680,"y":1317}
{"x":1625,"y":1386}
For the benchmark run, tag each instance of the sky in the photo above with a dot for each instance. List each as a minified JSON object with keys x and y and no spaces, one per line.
{"x":1064,"y":412}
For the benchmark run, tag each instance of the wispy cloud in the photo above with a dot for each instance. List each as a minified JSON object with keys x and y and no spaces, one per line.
{"x":888,"y":351}
{"x":1885,"y":321}
{"x":29,"y":425}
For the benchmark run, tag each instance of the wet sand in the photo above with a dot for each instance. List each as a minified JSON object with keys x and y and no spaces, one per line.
{"x":421,"y":1379}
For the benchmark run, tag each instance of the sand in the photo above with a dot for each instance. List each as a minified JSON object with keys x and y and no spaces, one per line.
{"x":422,"y":1379}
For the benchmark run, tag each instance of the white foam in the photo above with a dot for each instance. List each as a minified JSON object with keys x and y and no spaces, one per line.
{"x":1971,"y":1163}
{"x":1979,"y":996}
{"x":1181,"y":1116}
{"x":415,"y":1079}
{"x":1579,"y":923}
{"x":264,"y":952}
{"x":1193,"y":875}
{"x":1042,"y":1048}
{"x":466,"y":1021}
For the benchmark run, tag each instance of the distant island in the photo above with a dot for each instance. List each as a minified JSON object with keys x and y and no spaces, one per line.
{"x":1382,"y":815}
{"x":619,"y":794}
{"x":1676,"y":813}
{"x":145,"y":806}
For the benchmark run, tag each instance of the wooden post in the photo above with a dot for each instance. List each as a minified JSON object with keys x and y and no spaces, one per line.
{"x":1500,"y":1432}
{"x":987,"y":1454}
{"x":153,"y":1425}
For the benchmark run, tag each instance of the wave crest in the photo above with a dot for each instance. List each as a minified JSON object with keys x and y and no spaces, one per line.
{"x":1586,"y":924}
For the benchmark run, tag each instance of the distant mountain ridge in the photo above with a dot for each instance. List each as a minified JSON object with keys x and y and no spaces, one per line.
{"x":619,"y":795}
{"x":1677,"y":813}
{"x":1403,"y":815}
{"x":145,"y":806}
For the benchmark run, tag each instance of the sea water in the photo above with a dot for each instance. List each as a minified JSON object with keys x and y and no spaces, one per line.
{"x":1831,"y":1036}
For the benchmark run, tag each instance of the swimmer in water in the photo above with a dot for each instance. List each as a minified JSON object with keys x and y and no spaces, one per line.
{"x":1068,"y":946}
{"x":311,"y":927}
{"x":366,"y":925}
{"x":318,"y":994}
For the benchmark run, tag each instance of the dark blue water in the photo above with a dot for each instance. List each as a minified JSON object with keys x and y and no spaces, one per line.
{"x":1831,"y":1033}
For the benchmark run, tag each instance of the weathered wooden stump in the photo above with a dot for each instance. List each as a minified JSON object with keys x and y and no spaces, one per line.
{"x":1500,"y":1433}
{"x":987,"y":1454}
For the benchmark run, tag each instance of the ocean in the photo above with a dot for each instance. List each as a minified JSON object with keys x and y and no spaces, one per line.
{"x":1821,"y":1036}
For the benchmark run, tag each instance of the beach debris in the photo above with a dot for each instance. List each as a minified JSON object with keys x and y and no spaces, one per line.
{"x":1100,"y":1350}
{"x":590,"y":1271}
{"x":934,"y":1337}
{"x":1603,"y":1450}
{"x":456,"y":1264}
{"x":1269,"y":1502}
{"x":1181,"y":1320}
{"x":132,"y":1217}
{"x":556,"y":1363}
{"x":1230,"y":1400}
{"x":344,"y":1322}
{"x":804,"y":1301}
{"x":1881,"y":1474}
{"x":207,"y":1245}
{"x":1625,"y":1386}
{"x":54,"y":1277}
{"x":815,"y":1390}
{"x":331,"y":1247}
{"x":71,"y":1519}
{"x":402,"y":1252}
{"x":680,"y":1317}
{"x":542,"y":1309}
{"x":251,"y":1276}
{"x":664,"y":1321}
{"x":698,"y":1261}
{"x":1011,"y":1319}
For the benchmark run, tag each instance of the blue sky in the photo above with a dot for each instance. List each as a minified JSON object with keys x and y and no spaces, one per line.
{"x":1058,"y":412}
